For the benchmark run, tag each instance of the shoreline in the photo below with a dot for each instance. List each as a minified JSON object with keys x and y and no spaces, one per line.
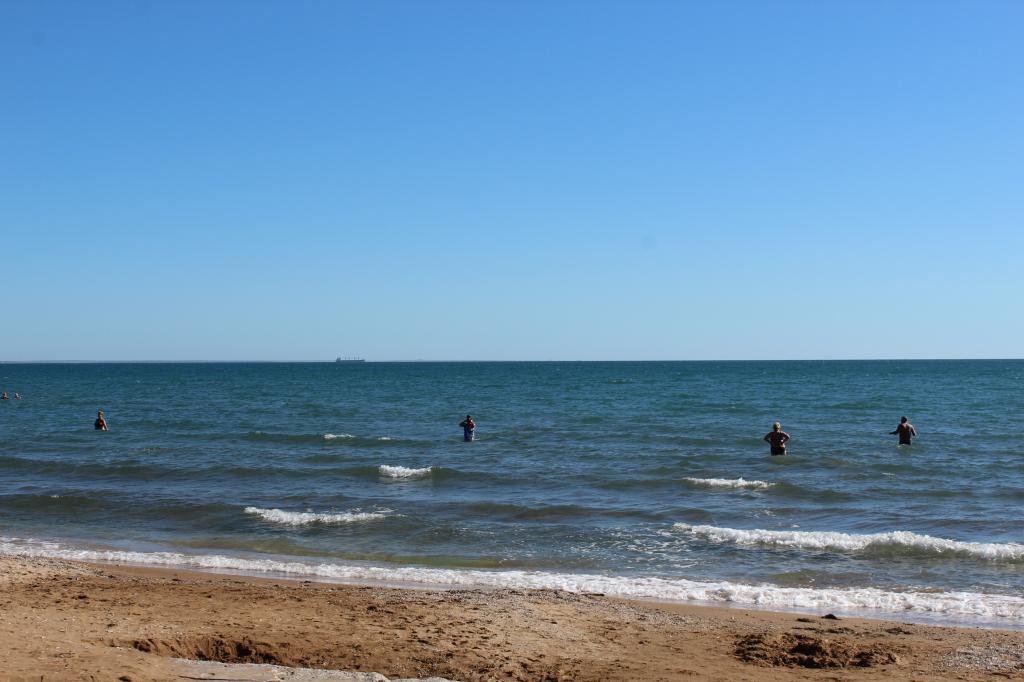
{"x":68,"y":620}
{"x":931,"y":608}
{"x":909,"y":618}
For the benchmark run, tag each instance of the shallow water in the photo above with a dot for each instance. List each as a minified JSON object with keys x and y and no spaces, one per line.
{"x":615,"y":477}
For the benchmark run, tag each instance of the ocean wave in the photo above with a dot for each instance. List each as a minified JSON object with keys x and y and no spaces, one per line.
{"x":291,"y":518}
{"x":943,"y":606}
{"x":127,"y":467}
{"x":336,"y":438}
{"x":895,"y":541}
{"x":67,"y":502}
{"x":351,"y":440}
{"x":134,"y":469}
{"x":79,"y":504}
{"x":272,"y":437}
{"x":403,"y":472}
{"x":728,"y":483}
{"x":551,"y":513}
{"x":344,"y":467}
{"x":644,"y":483}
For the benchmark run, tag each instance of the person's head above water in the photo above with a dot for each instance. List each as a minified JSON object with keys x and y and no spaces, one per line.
{"x":469,"y":416}
{"x":776,"y":426}
{"x":100,"y":413}
{"x":903,"y":420}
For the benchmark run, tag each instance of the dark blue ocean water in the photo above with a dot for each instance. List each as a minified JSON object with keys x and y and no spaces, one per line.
{"x":621,"y":477}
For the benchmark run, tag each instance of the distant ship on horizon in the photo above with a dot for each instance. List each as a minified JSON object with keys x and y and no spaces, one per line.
{"x":341,"y":359}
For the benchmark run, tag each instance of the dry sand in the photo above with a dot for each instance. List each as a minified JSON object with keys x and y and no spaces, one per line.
{"x":62,"y":620}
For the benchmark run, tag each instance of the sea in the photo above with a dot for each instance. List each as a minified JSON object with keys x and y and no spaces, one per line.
{"x":647,"y":480}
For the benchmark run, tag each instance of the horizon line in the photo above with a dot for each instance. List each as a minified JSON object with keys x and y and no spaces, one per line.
{"x":381,"y":362}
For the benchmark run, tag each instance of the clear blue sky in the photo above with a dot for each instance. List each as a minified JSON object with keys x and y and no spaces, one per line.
{"x":511,"y":180}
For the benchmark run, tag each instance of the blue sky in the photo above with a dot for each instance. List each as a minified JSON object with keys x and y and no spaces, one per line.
{"x":475,"y":180}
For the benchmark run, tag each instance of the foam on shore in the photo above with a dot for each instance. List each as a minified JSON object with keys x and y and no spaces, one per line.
{"x":900,"y":540}
{"x":1006,"y":610}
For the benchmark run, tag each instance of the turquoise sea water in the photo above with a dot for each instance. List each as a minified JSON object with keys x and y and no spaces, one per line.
{"x":621,"y":478}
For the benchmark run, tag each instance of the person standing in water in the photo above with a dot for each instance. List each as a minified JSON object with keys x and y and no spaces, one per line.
{"x":905,"y":431}
{"x":468,"y":428}
{"x":777,"y":438}
{"x":100,"y":424}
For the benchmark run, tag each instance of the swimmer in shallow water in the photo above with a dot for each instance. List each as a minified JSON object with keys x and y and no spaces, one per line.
{"x":468,"y":428}
{"x":5,"y":396}
{"x":905,"y":431}
{"x":777,"y":439}
{"x":100,"y":424}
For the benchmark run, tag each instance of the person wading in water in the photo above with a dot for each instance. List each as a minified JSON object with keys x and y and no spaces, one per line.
{"x":905,"y":431}
{"x":777,"y":439}
{"x":468,"y":428}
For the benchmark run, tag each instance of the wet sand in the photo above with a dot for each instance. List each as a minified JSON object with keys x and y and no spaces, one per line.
{"x":63,"y":620}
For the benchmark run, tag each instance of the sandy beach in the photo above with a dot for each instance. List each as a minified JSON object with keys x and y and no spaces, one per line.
{"x":66,"y":620}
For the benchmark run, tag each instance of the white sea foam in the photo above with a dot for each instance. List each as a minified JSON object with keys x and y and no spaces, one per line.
{"x":403,"y":472}
{"x":290,"y":518}
{"x":824,"y":540}
{"x":993,"y":608}
{"x":384,"y":438}
{"x":332,"y":436}
{"x":729,"y":483}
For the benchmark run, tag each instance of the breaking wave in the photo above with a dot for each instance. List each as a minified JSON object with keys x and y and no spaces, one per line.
{"x":895,"y":541}
{"x":728,"y":483}
{"x":291,"y":518}
{"x":403,"y":472}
